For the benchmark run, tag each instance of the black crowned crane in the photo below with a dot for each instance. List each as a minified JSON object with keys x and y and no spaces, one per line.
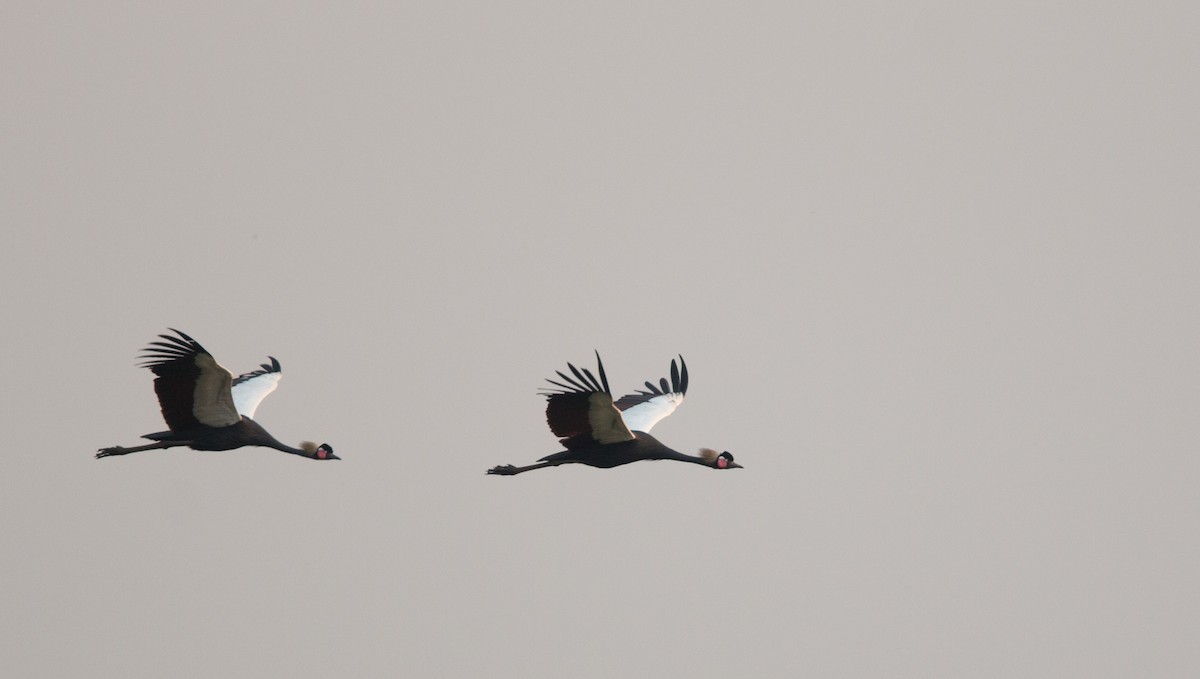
{"x":205,"y":407}
{"x":600,"y":433}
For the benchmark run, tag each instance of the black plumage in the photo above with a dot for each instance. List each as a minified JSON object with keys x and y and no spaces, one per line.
{"x":594,"y":430}
{"x":197,"y":401}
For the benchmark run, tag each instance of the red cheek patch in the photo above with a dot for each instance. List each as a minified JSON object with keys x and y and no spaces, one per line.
{"x":321,"y":454}
{"x":722,"y":463}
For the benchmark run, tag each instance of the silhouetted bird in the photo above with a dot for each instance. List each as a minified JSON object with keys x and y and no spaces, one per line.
{"x":599,"y":433}
{"x":205,"y":408}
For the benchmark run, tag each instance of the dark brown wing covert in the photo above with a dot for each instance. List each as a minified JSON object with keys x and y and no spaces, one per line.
{"x":567,"y":415}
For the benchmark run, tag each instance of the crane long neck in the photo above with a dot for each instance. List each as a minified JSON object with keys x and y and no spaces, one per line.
{"x":682,"y":457}
{"x":288,"y":449}
{"x":655,"y":450}
{"x":263,"y":438}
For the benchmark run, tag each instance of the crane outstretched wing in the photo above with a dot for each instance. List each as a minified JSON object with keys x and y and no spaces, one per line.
{"x":249,"y":389}
{"x":643,"y":410}
{"x":192,"y":388}
{"x":581,"y":411}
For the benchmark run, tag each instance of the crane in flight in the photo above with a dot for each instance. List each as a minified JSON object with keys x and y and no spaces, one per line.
{"x":599,"y":432}
{"x":205,"y":407}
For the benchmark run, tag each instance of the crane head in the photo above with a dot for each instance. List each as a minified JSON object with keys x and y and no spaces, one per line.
{"x":719,"y":460}
{"x":315,"y":452}
{"x":725,"y":461}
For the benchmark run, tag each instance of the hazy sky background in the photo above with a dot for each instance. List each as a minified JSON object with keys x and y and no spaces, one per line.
{"x":933,"y":266}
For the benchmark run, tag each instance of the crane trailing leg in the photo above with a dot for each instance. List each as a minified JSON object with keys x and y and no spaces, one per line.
{"x":119,"y":450}
{"x":509,"y":470}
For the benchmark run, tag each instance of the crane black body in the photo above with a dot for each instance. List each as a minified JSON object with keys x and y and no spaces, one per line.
{"x":205,"y":408}
{"x":598,"y":432}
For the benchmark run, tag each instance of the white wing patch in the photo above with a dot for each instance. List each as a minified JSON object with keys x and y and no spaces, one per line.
{"x":644,"y":415}
{"x":248,"y":394}
{"x":645,"y":408}
{"x":211,"y":401}
{"x":251,"y":388}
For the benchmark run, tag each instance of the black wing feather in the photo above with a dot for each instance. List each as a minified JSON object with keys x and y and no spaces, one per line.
{"x":568,"y":406}
{"x":603,"y":377}
{"x":594,"y":381}
{"x":560,"y":384}
{"x":575,"y":386}
{"x":264,"y":368}
{"x":175,"y":349}
{"x":174,"y":361}
{"x":589,"y":386}
{"x":678,"y":385}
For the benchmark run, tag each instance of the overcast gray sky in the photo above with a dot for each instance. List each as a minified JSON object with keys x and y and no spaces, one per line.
{"x":933,"y":266}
